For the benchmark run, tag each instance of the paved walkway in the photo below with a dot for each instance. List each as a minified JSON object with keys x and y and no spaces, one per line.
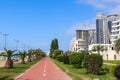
{"x":44,"y":70}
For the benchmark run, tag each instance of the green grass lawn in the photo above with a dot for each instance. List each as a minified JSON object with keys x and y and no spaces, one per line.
{"x":112,"y":61}
{"x":80,"y":74}
{"x":9,"y":74}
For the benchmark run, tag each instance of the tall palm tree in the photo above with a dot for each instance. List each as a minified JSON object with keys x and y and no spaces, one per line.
{"x":117,"y":45}
{"x":8,"y":54}
{"x":22,"y":56}
{"x":99,"y":48}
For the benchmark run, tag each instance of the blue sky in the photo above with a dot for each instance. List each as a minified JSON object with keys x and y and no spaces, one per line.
{"x":36,"y":22}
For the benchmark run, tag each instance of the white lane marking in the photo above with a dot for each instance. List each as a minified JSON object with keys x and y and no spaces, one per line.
{"x":45,"y":66}
{"x":44,"y":74}
{"x":44,"y":71}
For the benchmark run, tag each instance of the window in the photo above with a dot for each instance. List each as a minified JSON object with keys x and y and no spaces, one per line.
{"x":117,"y":23}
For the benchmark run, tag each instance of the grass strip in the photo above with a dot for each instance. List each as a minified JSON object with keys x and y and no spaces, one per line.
{"x":112,"y":61}
{"x":80,"y":74}
{"x":9,"y":74}
{"x":67,"y":69}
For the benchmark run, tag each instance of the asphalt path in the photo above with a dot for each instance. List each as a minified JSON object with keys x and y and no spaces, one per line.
{"x":44,"y":70}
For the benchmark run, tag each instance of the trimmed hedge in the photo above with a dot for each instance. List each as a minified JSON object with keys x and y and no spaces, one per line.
{"x":76,"y":59}
{"x":93,"y":63}
{"x":117,"y":72}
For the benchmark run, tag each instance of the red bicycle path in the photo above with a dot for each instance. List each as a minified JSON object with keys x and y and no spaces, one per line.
{"x":45,"y":69}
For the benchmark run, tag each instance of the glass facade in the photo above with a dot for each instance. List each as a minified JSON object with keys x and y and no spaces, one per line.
{"x":110,"y":26}
{"x":99,"y":30}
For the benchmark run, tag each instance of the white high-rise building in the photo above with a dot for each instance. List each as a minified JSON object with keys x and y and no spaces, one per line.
{"x":115,"y":31}
{"x":104,"y":27}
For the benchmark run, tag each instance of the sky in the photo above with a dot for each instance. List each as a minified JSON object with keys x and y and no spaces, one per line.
{"x":36,"y":22}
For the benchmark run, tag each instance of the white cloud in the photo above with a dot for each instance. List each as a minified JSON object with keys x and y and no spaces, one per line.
{"x":96,"y":4}
{"x":112,"y":1}
{"x":115,"y":10}
{"x":108,"y":6}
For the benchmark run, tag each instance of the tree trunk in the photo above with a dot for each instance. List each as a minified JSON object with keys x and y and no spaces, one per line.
{"x":29,"y":59}
{"x":9,"y":63}
{"x":23,"y":61}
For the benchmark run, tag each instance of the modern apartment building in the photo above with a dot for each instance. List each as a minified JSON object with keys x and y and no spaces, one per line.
{"x":77,"y":45}
{"x":83,"y":39}
{"x":82,"y":34}
{"x":115,"y":31}
{"x":104,"y":27}
{"x":80,"y":42}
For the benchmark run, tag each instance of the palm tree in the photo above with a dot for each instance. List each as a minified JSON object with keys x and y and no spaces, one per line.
{"x":117,"y":45}
{"x":22,"y":56}
{"x":99,"y":48}
{"x":8,"y":54}
{"x":29,"y":54}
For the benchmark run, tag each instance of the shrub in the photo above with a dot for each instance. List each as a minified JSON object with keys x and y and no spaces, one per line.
{"x":76,"y":59}
{"x":65,"y":58}
{"x":117,"y":72}
{"x":59,"y":57}
{"x":93,"y":63}
{"x":111,"y":69}
{"x":104,"y":69}
{"x":56,"y":53}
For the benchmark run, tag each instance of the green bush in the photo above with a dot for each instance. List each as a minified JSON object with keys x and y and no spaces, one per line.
{"x":93,"y":63}
{"x":56,"y":53}
{"x":117,"y":72}
{"x":104,"y":69}
{"x":59,"y":57}
{"x":111,"y":69}
{"x":65,"y":58}
{"x":76,"y":59}
{"x":108,"y":69}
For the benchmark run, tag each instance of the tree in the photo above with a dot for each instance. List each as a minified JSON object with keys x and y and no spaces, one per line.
{"x":56,"y":43}
{"x":39,"y":53}
{"x":57,"y":52}
{"x":76,"y":59}
{"x":22,"y":56}
{"x":117,"y":45}
{"x":29,"y":54}
{"x":99,"y":48}
{"x":8,"y":54}
{"x":54,"y":46}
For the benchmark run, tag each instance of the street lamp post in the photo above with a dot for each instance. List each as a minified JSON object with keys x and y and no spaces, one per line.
{"x":5,"y":35}
{"x":24,"y":46}
{"x":17,"y":41}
